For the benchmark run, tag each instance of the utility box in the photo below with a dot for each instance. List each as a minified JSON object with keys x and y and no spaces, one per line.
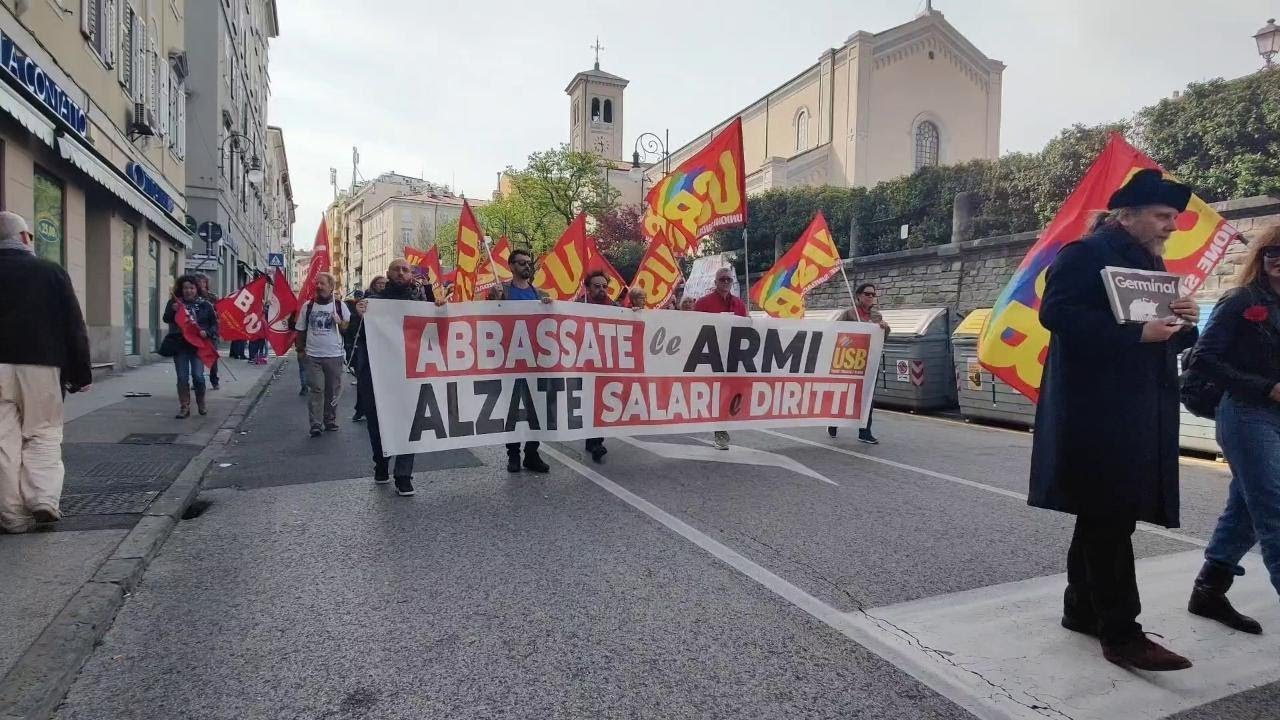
{"x":982,"y":395}
{"x":917,"y":372}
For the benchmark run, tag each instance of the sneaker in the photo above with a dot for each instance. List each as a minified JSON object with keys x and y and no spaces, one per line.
{"x":597,"y":454}
{"x":213,"y":386}
{"x":832,"y":430}
{"x":331,"y":427}
{"x":868,"y":438}
{"x":1141,"y":653}
{"x":46,"y":514}
{"x":534,"y":462}
{"x":381,"y":479}
{"x":722,"y":440}
{"x":315,"y":431}
{"x":358,"y":417}
{"x":404,"y":487}
{"x":513,"y":463}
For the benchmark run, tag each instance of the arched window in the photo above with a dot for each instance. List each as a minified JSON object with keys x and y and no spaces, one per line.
{"x":926,"y":144}
{"x":595,"y":109}
{"x":802,"y":131}
{"x":608,"y":111}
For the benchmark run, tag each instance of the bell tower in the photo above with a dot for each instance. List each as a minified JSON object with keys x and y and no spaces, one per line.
{"x":595,"y":110}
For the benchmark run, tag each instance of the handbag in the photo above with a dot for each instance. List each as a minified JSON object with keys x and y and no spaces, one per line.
{"x":170,"y":346}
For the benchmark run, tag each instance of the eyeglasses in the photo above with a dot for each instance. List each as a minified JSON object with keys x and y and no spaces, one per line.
{"x":724,"y":280}
{"x":522,"y":262}
{"x":868,"y":293}
{"x":1272,"y":252}
{"x":598,"y":286}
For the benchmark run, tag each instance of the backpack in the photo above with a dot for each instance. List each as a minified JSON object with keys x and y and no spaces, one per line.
{"x":1199,"y":394}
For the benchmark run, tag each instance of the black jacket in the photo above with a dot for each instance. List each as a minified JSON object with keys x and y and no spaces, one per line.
{"x":1240,"y":354}
{"x":390,"y":292}
{"x":206,"y":318}
{"x":40,"y":318}
{"x":1106,"y":434}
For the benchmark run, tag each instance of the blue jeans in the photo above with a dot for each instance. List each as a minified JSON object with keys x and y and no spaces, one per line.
{"x":190,"y":369}
{"x":1250,"y":440}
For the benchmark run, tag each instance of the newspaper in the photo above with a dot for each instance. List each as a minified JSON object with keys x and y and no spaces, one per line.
{"x":1138,"y":296}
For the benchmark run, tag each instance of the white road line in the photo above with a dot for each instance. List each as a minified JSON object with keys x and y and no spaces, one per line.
{"x":1151,"y":529}
{"x":737,"y":454}
{"x":917,"y":664}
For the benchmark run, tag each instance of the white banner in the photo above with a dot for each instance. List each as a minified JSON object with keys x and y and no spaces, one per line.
{"x":486,"y":373}
{"x":702,"y":276}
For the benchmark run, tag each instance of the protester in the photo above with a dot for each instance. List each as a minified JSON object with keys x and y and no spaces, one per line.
{"x":237,"y":350}
{"x":355,"y":331}
{"x":1240,"y":352}
{"x":186,"y":360}
{"x":399,"y":286}
{"x":722,"y":300}
{"x":687,"y":303}
{"x":864,"y":310}
{"x":202,"y":283}
{"x":519,"y":287}
{"x":353,"y":326}
{"x":1105,"y":446}
{"x":44,"y":351}
{"x":597,"y":293}
{"x":320,"y":323}
{"x":677,"y":298}
{"x":638,"y":298}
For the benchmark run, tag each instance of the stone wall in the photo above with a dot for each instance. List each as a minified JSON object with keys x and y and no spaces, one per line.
{"x":969,"y":275}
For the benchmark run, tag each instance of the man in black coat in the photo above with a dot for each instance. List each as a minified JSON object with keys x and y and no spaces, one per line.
{"x":44,"y":352}
{"x":1106,"y":437}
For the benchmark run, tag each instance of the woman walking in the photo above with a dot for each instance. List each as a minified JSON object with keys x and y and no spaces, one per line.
{"x":186,"y":361}
{"x":1240,"y":351}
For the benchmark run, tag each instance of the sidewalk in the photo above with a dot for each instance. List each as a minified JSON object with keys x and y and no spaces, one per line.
{"x":121,"y":453}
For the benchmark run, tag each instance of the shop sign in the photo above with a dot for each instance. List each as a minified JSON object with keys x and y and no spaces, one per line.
{"x":149,"y":186}
{"x":32,"y":77}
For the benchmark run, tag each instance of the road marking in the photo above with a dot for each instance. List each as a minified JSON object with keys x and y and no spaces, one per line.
{"x":925,"y":667}
{"x":1151,"y":529}
{"x":737,"y":455}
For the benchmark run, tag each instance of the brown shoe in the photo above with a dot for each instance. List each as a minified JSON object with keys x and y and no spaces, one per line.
{"x":46,"y":514}
{"x":1143,"y":654}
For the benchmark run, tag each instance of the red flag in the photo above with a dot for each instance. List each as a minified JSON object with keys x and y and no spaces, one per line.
{"x":469,"y":252}
{"x":502,"y":259}
{"x":204,"y":346}
{"x":705,"y":193}
{"x":597,"y":261}
{"x":658,"y":272}
{"x":240,"y":313}
{"x":319,"y":263}
{"x":814,"y":258}
{"x":283,"y":304}
{"x":560,"y":271}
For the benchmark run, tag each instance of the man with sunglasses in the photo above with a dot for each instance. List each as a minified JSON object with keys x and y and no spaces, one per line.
{"x":597,"y":293}
{"x":722,"y":300}
{"x":864,"y":310}
{"x":520,"y":287}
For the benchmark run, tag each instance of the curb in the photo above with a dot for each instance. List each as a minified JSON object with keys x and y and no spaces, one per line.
{"x":36,"y":684}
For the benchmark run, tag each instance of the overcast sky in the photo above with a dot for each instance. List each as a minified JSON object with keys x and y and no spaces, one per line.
{"x":456,"y":92}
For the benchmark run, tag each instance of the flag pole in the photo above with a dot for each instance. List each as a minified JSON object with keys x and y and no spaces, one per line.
{"x":852,"y":300}
{"x":746,"y":269}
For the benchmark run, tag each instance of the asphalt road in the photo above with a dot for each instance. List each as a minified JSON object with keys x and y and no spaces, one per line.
{"x":794,"y":576}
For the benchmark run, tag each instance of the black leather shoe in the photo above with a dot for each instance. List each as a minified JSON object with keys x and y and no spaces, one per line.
{"x":1209,"y":599}
{"x":513,"y":463}
{"x":533,"y":461}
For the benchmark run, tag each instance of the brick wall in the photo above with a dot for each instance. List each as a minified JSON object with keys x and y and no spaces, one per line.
{"x":971,"y":274}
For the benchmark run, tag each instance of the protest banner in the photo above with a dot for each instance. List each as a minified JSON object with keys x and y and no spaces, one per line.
{"x":487,"y":373}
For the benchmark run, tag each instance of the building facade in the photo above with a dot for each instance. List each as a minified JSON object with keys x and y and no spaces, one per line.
{"x":280,"y":208}
{"x":93,"y":155}
{"x":226,"y":119}
{"x":346,"y":223}
{"x":878,"y":107}
{"x":405,"y":221}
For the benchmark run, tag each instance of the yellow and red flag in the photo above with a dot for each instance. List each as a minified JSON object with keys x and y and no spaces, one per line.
{"x":705,"y":193}
{"x":597,"y":261}
{"x":426,"y":264}
{"x":501,"y":255}
{"x":1014,"y":344}
{"x":808,"y":263}
{"x":470,"y":251}
{"x":560,"y":271}
{"x":658,"y":272}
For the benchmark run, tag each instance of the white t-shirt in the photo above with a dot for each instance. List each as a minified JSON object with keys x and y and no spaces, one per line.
{"x":324,"y":338}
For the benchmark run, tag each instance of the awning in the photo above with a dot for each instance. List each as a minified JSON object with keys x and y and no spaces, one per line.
{"x":29,"y":118}
{"x":116,"y":183}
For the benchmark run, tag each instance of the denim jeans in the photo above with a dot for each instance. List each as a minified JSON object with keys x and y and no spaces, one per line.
{"x":1250,"y":440}
{"x":190,"y":369}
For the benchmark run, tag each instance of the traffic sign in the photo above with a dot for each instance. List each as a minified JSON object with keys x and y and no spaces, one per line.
{"x":275,"y":260}
{"x":210,"y":232}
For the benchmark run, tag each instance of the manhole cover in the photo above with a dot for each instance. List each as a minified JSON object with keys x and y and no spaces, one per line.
{"x":127,"y":469}
{"x":107,"y":503}
{"x":150,"y":439}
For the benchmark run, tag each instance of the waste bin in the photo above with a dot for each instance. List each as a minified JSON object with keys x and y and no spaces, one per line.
{"x":1197,"y":433}
{"x":917,"y":371}
{"x":982,"y":395}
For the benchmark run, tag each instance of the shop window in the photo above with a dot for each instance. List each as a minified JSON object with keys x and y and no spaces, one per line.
{"x":50,"y":213}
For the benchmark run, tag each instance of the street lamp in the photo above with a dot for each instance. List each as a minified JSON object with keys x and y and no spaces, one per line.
{"x":653,"y":146}
{"x":253,"y":167}
{"x":1268,"y":39}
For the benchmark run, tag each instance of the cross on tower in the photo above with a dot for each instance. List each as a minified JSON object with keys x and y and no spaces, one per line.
{"x":597,"y":47}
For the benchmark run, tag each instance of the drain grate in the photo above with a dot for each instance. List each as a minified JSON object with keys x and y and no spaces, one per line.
{"x":150,"y":439}
{"x":127,"y":469}
{"x":107,"y":503}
